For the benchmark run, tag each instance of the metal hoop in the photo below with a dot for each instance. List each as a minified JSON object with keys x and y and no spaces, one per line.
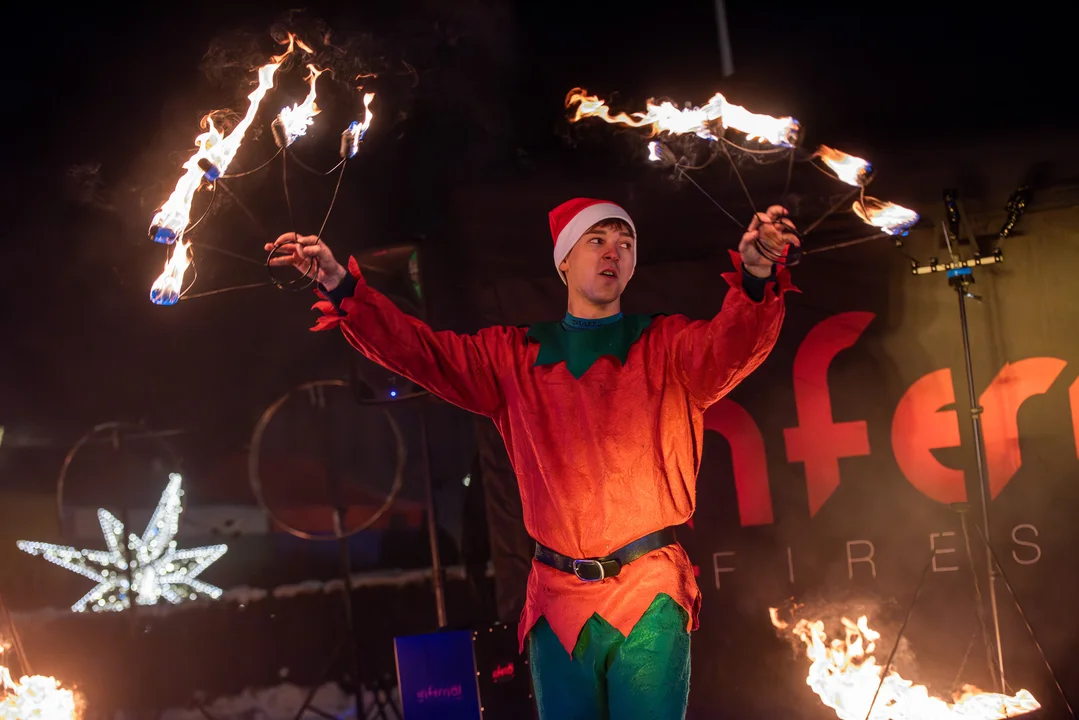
{"x":116,"y":427}
{"x":256,"y":483}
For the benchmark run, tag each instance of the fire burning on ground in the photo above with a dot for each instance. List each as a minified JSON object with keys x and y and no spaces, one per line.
{"x":35,"y":698}
{"x":845,"y":675}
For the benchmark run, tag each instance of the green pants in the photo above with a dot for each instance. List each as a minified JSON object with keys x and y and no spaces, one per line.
{"x":612,"y":677}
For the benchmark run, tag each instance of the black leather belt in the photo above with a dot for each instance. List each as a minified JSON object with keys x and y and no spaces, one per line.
{"x":596,"y":569}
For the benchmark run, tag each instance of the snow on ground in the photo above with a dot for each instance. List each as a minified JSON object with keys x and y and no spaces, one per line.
{"x":280,"y":702}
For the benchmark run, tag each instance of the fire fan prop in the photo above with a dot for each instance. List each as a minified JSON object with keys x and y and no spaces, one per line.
{"x":213,"y":156}
{"x":778,"y":135}
{"x":846,"y":676}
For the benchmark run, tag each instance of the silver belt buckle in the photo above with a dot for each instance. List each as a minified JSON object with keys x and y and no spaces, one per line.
{"x":588,"y":563}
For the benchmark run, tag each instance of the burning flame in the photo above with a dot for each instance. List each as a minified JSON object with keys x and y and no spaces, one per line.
{"x":35,"y":698}
{"x":889,"y":217}
{"x":701,"y":121}
{"x":851,"y":170}
{"x":784,"y":132}
{"x":353,"y":135}
{"x":368,"y":116}
{"x":295,"y":120}
{"x":169,"y":284}
{"x":174,"y":216}
{"x":845,"y":675}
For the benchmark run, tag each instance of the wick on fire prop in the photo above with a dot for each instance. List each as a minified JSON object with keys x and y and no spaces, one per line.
{"x":215,"y":152}
{"x":712,"y":121}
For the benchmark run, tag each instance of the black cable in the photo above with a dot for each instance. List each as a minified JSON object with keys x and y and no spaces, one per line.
{"x":226,"y":289}
{"x":209,"y":205}
{"x":794,"y":253}
{"x":311,"y":273}
{"x":790,"y":171}
{"x":822,"y":171}
{"x":20,"y":653}
{"x":223,"y":251}
{"x":712,"y":199}
{"x":899,"y":635}
{"x":254,"y":170}
{"x":318,"y":239}
{"x":963,"y":664}
{"x":734,"y":167}
{"x":333,"y":200}
{"x":1023,"y":615}
{"x":751,"y":151}
{"x":247,"y":211}
{"x":846,"y":243}
{"x":980,"y":607}
{"x":834,"y":207}
{"x":311,"y":170}
{"x":194,"y":269}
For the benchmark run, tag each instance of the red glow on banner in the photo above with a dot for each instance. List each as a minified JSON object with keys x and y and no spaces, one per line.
{"x":1073,"y":398}
{"x":818,"y":441}
{"x":919,"y":426}
{"x":748,"y":458}
{"x":1013,"y":385}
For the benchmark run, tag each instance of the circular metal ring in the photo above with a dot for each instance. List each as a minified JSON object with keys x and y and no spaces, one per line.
{"x":256,"y":483}
{"x":115,"y":427}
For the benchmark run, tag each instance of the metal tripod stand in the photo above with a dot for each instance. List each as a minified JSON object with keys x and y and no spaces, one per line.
{"x":960,"y":277}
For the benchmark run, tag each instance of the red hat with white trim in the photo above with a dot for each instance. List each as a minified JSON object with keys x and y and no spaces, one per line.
{"x":571,"y":220}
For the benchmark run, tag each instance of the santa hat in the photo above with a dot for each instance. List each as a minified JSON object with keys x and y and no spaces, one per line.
{"x":571,"y":220}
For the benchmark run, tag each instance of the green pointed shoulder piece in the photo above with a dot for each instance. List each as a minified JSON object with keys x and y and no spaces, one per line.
{"x":580,"y":349}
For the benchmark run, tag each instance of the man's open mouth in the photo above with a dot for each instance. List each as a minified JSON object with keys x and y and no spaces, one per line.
{"x":609,"y":273}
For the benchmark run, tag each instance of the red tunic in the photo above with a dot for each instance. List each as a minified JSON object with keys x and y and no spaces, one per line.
{"x":601,"y":460}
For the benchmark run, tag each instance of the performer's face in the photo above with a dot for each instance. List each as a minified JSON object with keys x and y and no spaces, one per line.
{"x":601,"y":263}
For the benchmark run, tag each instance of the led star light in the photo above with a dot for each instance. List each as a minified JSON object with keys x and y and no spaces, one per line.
{"x":158,"y":570}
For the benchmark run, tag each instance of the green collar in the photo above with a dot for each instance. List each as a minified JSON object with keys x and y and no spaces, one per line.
{"x":581,"y":348}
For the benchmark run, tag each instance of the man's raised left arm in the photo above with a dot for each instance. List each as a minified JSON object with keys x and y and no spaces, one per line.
{"x":710,"y":357}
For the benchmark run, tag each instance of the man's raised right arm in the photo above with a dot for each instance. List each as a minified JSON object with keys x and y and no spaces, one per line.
{"x":461,"y":369}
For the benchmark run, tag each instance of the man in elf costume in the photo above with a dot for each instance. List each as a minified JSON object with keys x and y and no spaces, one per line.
{"x":603,"y":417}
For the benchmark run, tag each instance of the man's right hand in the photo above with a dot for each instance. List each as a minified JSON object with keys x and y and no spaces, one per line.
{"x":299,"y":250}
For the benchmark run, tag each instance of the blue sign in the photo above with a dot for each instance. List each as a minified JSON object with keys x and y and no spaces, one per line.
{"x":436,"y":675}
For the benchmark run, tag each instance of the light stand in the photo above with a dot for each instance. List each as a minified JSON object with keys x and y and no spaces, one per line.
{"x":960,"y":277}
{"x":438,"y":575}
{"x":329,"y":449}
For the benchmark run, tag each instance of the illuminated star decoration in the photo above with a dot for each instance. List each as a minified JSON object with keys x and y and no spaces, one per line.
{"x":158,"y":570}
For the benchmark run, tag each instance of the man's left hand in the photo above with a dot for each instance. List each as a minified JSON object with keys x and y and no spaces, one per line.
{"x":772,"y":229}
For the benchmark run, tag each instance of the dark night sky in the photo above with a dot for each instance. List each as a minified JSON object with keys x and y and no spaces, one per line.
{"x":123,"y":91}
